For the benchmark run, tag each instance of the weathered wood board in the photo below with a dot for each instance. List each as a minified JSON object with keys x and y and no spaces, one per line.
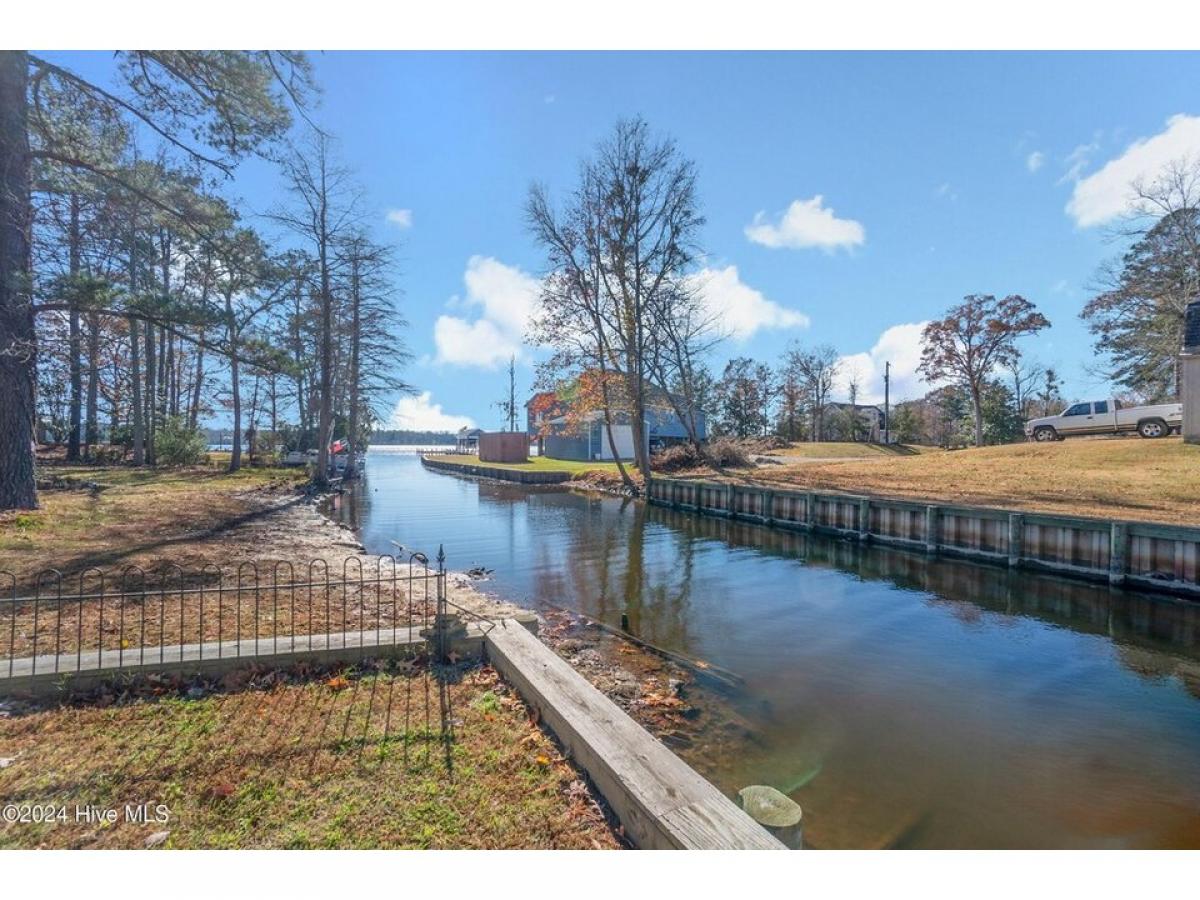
{"x":661,"y":801}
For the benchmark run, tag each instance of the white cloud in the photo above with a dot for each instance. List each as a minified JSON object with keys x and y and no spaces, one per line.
{"x":506,"y":298}
{"x":739,"y":310}
{"x":1105,"y":194}
{"x":401,"y":218}
{"x":1077,"y":160}
{"x":420,"y":414}
{"x":806,"y":223}
{"x":901,"y":346}
{"x":1035,"y":160}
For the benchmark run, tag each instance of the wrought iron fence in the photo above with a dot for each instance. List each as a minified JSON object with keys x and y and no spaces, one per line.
{"x":136,"y":616}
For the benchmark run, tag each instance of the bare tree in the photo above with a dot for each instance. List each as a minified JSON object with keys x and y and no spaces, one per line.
{"x":369,"y":323}
{"x":816,"y":371}
{"x":324,"y":211}
{"x":574,"y":307}
{"x":973,"y":339}
{"x":618,"y":260}
{"x":1026,"y":375}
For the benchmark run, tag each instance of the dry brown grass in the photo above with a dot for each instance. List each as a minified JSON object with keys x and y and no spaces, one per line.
{"x":301,"y":759}
{"x":1155,"y":480}
{"x":109,"y":516}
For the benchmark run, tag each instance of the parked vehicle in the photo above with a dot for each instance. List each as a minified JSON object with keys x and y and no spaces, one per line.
{"x":1107,"y":417}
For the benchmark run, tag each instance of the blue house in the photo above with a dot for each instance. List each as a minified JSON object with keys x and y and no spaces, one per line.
{"x":558,"y":438}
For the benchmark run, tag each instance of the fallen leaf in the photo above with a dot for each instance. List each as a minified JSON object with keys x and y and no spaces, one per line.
{"x":338,"y":683}
{"x":159,"y":837}
{"x":222,"y":789}
{"x":543,"y":760}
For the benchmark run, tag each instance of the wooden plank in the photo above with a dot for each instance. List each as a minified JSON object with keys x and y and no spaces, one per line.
{"x":661,"y":801}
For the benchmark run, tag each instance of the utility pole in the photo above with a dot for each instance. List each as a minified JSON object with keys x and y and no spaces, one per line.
{"x":512,"y":393}
{"x":509,"y":408}
{"x":887,"y":412}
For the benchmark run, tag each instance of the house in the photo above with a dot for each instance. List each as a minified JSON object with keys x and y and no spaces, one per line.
{"x":560,"y":434}
{"x":852,"y":422}
{"x":467,"y":440}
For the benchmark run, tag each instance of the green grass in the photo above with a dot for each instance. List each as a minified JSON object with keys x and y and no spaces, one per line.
{"x":534,"y":464}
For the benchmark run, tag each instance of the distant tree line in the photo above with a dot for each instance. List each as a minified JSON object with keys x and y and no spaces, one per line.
{"x":408,"y":436}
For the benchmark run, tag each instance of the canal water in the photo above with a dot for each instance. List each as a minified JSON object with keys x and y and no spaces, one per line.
{"x":898,"y":699}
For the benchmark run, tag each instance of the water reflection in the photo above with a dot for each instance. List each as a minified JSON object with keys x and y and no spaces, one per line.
{"x":933,"y":702}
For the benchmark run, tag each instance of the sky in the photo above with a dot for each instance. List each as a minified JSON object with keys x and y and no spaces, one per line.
{"x":849,"y":197}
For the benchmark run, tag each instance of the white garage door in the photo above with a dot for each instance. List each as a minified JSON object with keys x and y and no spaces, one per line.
{"x":622,"y":437}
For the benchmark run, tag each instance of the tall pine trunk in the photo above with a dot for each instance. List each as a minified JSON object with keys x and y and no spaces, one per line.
{"x":194,"y":408}
{"x":18,"y":347}
{"x":151,"y":366}
{"x":74,"y":339}
{"x":91,"y":429}
{"x":231,"y":337}
{"x":325,"y":415}
{"x":135,"y":379}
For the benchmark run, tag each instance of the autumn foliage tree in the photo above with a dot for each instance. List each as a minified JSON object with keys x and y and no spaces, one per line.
{"x":973,"y":339}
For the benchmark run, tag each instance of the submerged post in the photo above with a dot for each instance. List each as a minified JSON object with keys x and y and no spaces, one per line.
{"x":775,"y":811}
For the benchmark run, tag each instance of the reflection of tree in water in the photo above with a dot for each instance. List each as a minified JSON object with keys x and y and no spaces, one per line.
{"x":598,"y":560}
{"x":971,"y":591}
{"x":350,"y":507}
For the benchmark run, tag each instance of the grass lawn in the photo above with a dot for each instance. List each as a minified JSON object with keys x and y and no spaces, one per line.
{"x":1154,"y":480}
{"x":848,"y":450}
{"x":535,"y":464}
{"x":297,"y":760}
{"x":110,"y":515}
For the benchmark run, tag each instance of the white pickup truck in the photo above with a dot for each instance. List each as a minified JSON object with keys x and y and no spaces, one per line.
{"x":1107,"y":417}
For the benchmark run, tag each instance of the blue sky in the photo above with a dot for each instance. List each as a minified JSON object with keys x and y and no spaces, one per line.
{"x":849,"y":197}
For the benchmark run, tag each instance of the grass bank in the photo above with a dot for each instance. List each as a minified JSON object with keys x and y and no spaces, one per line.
{"x":300,"y":760}
{"x":1155,"y":480}
{"x":118,"y":515}
{"x":831,"y":450}
{"x":533,"y":464}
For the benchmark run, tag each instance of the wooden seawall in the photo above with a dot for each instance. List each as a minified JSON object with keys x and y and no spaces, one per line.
{"x":498,"y":472}
{"x":1141,"y":554}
